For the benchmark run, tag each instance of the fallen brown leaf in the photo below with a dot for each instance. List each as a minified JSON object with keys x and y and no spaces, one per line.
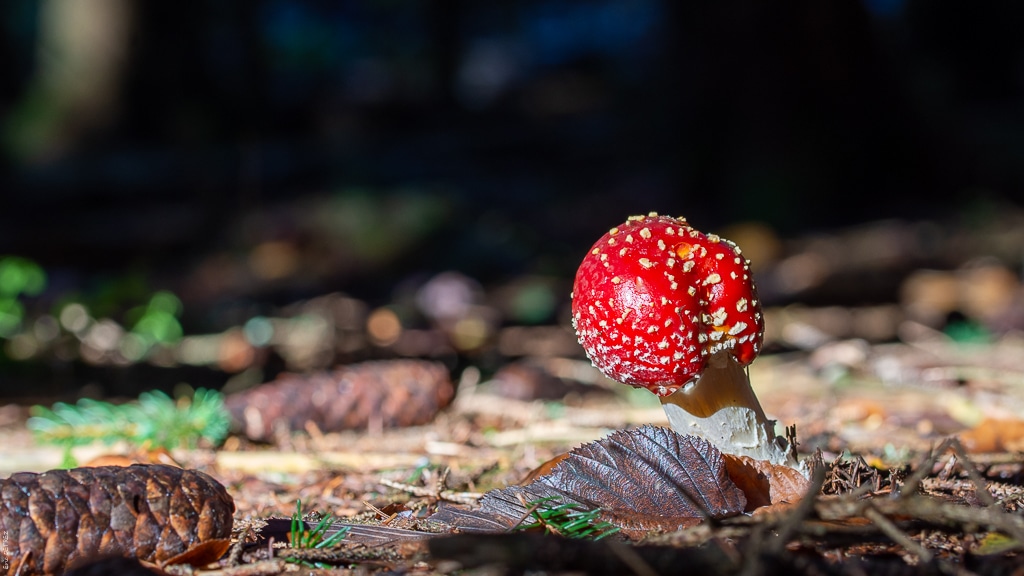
{"x":644,"y":479}
{"x":764,"y":483}
{"x":994,"y":435}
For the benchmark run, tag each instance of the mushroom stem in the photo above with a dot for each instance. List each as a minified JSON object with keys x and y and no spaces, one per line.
{"x":721,"y":407}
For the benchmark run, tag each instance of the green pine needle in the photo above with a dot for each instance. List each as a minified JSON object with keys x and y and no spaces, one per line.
{"x":300,"y":537}
{"x":154,"y":420}
{"x":566,"y":519}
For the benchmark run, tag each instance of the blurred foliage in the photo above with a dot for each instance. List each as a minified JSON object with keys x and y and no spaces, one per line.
{"x":84,"y":321}
{"x":153,"y":421}
{"x":157,"y":322}
{"x":377,"y":229}
{"x":968,"y":332}
{"x":18,"y":277}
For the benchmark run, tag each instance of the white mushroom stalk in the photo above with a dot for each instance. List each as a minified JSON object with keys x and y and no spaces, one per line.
{"x":721,"y":406}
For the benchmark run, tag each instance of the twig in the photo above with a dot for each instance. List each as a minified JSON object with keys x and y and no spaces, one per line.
{"x":261,"y":568}
{"x":791,"y":523}
{"x":897,"y":535}
{"x":235,"y":554}
{"x":913,"y":482}
{"x":889,"y":516}
{"x":926,"y":509}
{"x":438,"y":492}
{"x":341,"y":554}
{"x":384,"y":517}
{"x":980,"y":484}
{"x":786,"y":528}
{"x":530,"y":509}
{"x":630,"y":558}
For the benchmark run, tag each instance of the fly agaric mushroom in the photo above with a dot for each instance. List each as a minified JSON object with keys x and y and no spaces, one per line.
{"x":659,"y":305}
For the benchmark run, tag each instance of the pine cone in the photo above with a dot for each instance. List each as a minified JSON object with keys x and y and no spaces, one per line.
{"x":57,"y":519}
{"x":390,"y":393}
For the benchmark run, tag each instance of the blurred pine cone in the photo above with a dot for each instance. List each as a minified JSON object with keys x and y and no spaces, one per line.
{"x":62,"y":518}
{"x":386,"y":393}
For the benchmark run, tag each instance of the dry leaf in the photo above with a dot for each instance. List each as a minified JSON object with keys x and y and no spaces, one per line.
{"x":995,"y":543}
{"x":141,"y":456}
{"x":994,"y":435}
{"x":545,"y":468}
{"x":650,"y":470}
{"x":764,"y":483}
{"x":202,"y":553}
{"x":645,"y":479}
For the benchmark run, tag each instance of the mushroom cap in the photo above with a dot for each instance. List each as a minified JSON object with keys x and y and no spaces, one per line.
{"x":654,"y":299}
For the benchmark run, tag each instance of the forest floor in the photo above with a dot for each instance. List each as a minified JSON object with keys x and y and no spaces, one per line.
{"x":876,"y":412}
{"x":912,"y":408}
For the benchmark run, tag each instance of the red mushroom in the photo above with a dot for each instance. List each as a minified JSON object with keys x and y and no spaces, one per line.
{"x":662,"y":306}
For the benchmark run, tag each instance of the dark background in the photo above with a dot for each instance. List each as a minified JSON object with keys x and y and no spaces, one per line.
{"x":158,"y":144}
{"x":563,"y":114}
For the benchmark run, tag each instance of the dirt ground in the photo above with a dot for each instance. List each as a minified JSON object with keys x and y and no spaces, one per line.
{"x":912,"y":408}
{"x":883,"y":407}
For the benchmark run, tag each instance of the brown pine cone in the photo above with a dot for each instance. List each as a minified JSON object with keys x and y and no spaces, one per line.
{"x":388,"y":393}
{"x":61,"y":518}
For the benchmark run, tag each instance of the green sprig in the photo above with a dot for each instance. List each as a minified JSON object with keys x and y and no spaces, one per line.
{"x":299,"y":537}
{"x":154,"y":420}
{"x":566,"y":519}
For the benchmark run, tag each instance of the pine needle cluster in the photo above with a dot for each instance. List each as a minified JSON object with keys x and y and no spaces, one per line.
{"x":566,"y":519}
{"x":155,"y":420}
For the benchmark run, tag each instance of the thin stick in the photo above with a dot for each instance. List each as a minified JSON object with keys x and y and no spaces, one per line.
{"x":630,"y":558}
{"x":924,"y":469}
{"x":530,"y":509}
{"x":980,"y":484}
{"x":897,"y":535}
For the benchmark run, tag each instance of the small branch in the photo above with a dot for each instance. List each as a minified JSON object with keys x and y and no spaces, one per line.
{"x":897,"y":535}
{"x":980,"y":484}
{"x":530,"y":509}
{"x":467,"y":498}
{"x":261,"y":568}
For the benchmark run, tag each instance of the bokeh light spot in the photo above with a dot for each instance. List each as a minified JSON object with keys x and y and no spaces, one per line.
{"x":259,"y":331}
{"x":384,"y":327}
{"x":74,"y":318}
